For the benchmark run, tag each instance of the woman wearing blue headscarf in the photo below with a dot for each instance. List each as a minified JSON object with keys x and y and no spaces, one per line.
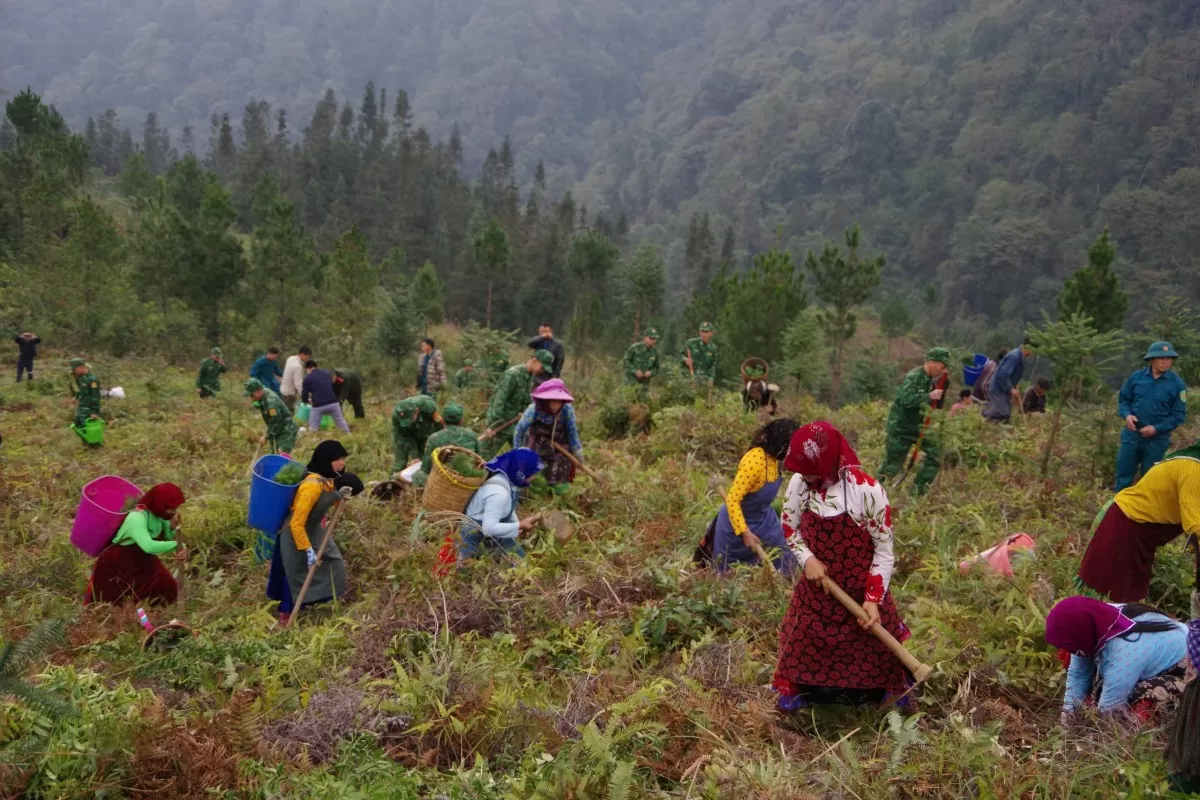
{"x":492,"y":511}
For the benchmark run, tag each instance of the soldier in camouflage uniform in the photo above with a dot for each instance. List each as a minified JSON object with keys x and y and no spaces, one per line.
{"x":208,"y":382}
{"x":281,"y":428}
{"x":413,"y":420}
{"x":451,"y":435}
{"x":496,"y":363}
{"x":87,"y":392}
{"x":641,"y":360}
{"x":699,"y":356}
{"x":905,"y":420}
{"x":465,"y":378}
{"x":509,"y":402}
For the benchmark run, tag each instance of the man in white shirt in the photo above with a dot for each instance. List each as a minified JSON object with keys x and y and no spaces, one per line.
{"x":293,"y":376}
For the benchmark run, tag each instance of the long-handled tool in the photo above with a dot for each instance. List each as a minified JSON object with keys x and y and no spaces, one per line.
{"x":490,"y":432}
{"x":591,"y":473}
{"x":254,"y":460}
{"x":919,"y":670}
{"x":940,"y":384}
{"x":914,"y":665}
{"x":312,"y":571}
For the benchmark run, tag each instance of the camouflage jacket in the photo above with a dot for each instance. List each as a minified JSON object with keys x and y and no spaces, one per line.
{"x":413,"y":416}
{"x":640,"y":358}
{"x":87,"y":395}
{"x":910,"y":403}
{"x":704,"y":359}
{"x":455,"y":435}
{"x":278,"y":419}
{"x":209,"y":378}
{"x":512,"y":395}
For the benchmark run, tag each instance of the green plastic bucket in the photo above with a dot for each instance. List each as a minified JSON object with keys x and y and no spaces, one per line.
{"x":92,"y":431}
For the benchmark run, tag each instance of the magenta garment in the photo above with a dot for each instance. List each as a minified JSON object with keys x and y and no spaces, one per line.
{"x":1081,"y":625}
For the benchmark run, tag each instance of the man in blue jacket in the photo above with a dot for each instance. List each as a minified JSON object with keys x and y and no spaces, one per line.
{"x":1002,"y":389}
{"x":266,"y":369}
{"x":318,"y":391}
{"x":1153,"y":402}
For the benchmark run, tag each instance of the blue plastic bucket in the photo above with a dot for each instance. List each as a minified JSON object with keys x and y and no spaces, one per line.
{"x":269,"y":501}
{"x":971,"y":374}
{"x":980,"y":360}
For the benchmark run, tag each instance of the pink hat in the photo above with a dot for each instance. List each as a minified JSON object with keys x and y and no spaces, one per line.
{"x":553,"y":389}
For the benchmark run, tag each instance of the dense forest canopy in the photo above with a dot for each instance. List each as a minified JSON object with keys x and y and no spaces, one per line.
{"x":981,"y":146}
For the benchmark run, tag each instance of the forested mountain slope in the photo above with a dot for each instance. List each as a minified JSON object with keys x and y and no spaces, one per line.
{"x":981,"y":145}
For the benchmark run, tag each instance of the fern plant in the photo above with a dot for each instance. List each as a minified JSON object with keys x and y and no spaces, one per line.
{"x":16,"y":656}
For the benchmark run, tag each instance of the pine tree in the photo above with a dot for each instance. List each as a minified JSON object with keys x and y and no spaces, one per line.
{"x":427,"y":296}
{"x":1174,"y":321}
{"x":761,"y":304}
{"x":491,"y":257}
{"x":895,"y":320}
{"x":1094,"y":290}
{"x":351,"y":287}
{"x":841,"y":283}
{"x":643,"y":282}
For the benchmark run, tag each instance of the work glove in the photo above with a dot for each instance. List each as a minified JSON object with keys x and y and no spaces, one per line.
{"x":345,"y":492}
{"x":311,"y":556}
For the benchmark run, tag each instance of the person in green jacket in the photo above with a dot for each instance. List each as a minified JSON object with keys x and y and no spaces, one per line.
{"x":699,"y":356}
{"x":208,"y":382}
{"x":413,"y":420}
{"x":452,"y":435}
{"x":129,"y":568}
{"x":465,"y":378}
{"x":87,"y":392}
{"x":641,"y":360}
{"x":508,"y":403}
{"x":281,"y":428}
{"x":905,"y":419}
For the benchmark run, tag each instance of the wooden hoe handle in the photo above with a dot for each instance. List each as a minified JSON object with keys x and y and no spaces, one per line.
{"x":919,"y":670}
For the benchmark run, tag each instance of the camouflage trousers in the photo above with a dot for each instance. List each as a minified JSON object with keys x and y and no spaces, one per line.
{"x":896,"y":453}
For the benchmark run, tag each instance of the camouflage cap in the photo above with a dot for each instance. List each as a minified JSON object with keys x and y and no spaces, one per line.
{"x":652,"y":333}
{"x":939,"y":354}
{"x":546,"y":359}
{"x":251,"y":386}
{"x":216,"y":351}
{"x":468,"y":362}
{"x":706,"y":327}
{"x":452,"y":413}
{"x":77,"y":362}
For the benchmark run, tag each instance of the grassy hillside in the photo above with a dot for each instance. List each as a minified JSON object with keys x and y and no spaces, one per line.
{"x":604,"y":666}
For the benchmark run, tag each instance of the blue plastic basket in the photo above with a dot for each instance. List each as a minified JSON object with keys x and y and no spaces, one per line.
{"x":269,"y":501}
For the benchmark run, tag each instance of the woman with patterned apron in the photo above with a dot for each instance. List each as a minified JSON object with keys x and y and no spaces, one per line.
{"x":303,"y":530}
{"x":547,"y":421}
{"x":838,"y":521}
{"x":747,"y":518}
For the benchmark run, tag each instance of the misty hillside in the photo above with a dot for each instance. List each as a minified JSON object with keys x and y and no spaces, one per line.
{"x":981,"y":145}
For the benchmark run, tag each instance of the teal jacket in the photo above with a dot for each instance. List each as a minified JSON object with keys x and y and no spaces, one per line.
{"x":1160,"y":402}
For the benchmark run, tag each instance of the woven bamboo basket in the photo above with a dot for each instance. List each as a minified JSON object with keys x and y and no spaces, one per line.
{"x":445,"y":489}
{"x":755,"y":363}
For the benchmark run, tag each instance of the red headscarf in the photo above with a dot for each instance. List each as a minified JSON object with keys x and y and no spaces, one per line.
{"x":161,"y":499}
{"x":818,"y":450}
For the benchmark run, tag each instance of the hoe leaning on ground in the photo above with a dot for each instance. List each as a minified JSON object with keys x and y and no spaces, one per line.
{"x":920,"y":670}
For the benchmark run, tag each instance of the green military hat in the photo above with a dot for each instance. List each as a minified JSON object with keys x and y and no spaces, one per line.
{"x":216,"y":351}
{"x":1160,"y":350}
{"x":452,"y":413}
{"x":251,"y":386}
{"x":546,"y":358}
{"x":706,"y":327}
{"x":652,"y":333}
{"x":468,"y":362}
{"x":77,"y":362}
{"x":939,"y":354}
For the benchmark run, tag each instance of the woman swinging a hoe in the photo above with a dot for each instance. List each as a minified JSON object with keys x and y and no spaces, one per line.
{"x":839,"y":524}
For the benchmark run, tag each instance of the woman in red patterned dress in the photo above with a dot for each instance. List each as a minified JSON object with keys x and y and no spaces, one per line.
{"x":839,"y":524}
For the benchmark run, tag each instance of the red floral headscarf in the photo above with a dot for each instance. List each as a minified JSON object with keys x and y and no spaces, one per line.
{"x":819,"y":450}
{"x":162,"y":498}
